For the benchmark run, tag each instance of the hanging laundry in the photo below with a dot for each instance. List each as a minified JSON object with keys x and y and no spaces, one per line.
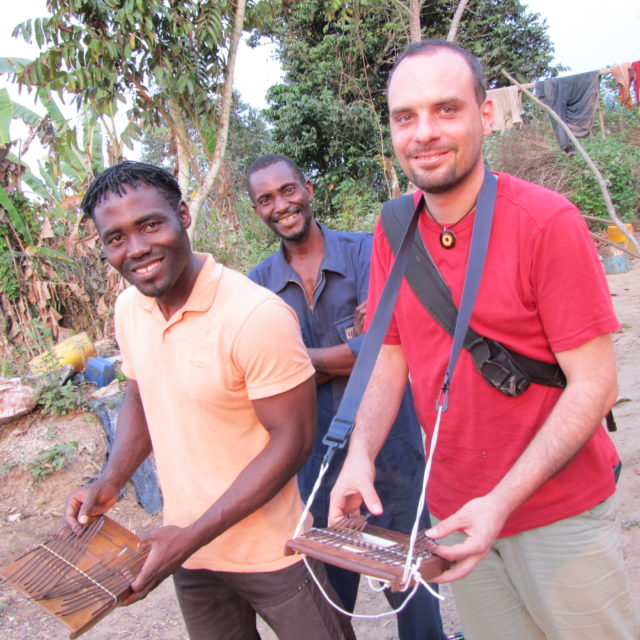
{"x":635,"y":68}
{"x":507,"y":107}
{"x":622,"y":74}
{"x":574,"y":99}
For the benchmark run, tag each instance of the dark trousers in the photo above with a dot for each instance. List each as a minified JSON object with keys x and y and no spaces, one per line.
{"x":221,"y":605}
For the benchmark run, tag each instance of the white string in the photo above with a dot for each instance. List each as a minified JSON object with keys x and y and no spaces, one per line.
{"x":411,"y":568}
{"x":73,"y":566}
{"x":323,"y":469}
{"x":421,"y":503}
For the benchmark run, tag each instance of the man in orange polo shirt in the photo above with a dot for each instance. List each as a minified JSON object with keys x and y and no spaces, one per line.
{"x":229,"y":416}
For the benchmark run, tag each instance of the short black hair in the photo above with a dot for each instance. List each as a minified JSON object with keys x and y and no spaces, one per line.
{"x":269,"y":159}
{"x":432,"y":46}
{"x":131,"y":173}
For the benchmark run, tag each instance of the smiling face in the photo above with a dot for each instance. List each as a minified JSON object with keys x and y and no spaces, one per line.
{"x":146,"y":241}
{"x":282,"y":201}
{"x":437,"y":125}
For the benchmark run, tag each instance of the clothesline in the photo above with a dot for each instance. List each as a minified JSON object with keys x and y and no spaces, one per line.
{"x":602,"y":72}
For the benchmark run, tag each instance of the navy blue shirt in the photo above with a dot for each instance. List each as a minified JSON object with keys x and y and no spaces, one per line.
{"x":342,"y":284}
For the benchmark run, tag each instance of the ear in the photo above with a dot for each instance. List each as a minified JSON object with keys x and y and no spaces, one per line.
{"x":486,"y":114}
{"x":183,"y":215}
{"x":309,"y":189}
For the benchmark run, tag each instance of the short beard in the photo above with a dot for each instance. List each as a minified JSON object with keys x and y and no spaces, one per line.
{"x":297,"y":237}
{"x":445,"y":184}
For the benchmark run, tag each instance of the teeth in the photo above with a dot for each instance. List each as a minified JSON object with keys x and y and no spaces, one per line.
{"x":286,"y":219}
{"x":146,"y":269}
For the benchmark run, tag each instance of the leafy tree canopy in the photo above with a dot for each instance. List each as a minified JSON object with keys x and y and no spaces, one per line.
{"x":156,"y":51}
{"x":330,"y":113}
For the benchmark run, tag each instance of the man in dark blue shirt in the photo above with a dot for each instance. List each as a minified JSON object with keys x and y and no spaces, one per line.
{"x":324,"y":276}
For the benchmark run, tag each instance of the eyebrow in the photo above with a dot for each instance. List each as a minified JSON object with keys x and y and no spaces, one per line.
{"x":138,"y":221}
{"x":440,"y":103}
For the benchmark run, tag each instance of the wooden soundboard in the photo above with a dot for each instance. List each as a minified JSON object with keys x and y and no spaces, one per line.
{"x":373,"y":551}
{"x":79,"y":577}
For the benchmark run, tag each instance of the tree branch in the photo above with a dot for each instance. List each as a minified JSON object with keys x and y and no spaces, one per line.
{"x":590,"y":163}
{"x":206,"y":187}
{"x":457,"y":18}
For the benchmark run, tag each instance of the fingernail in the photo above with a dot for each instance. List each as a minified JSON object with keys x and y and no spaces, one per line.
{"x":83,"y":519}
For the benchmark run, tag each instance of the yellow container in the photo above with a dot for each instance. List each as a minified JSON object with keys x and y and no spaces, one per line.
{"x":615,"y":235}
{"x":75,"y":351}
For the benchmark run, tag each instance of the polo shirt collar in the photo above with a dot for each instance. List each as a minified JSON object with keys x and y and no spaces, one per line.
{"x":201,"y":297}
{"x":332,"y":260}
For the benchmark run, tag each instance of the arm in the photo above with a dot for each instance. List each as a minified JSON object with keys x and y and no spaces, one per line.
{"x":289,"y":418}
{"x":374,"y":421}
{"x":131,"y":446}
{"x":590,"y":392}
{"x":338,"y":360}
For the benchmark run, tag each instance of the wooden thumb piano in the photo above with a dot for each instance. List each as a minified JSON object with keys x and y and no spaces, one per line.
{"x":355,"y":545}
{"x":79,"y":576}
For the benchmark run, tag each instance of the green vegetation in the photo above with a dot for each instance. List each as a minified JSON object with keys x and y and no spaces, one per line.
{"x":61,"y":399}
{"x":50,"y":460}
{"x":328,"y":113}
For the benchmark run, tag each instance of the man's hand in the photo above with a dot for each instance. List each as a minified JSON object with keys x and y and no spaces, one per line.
{"x":353,"y":486}
{"x":91,"y":500}
{"x":169,"y":549}
{"x":481,"y":521}
{"x":359,"y":318}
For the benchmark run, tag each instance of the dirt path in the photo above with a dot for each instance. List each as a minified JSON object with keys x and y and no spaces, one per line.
{"x":28,"y":511}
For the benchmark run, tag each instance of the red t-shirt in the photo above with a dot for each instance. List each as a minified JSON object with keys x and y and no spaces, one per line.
{"x":543,"y":290}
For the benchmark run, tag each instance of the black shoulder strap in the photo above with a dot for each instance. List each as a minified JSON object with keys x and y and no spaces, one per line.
{"x":509,"y":372}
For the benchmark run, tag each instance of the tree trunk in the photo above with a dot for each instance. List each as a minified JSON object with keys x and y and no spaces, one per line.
{"x":415,"y":31}
{"x":455,"y":23}
{"x":195,"y":206}
{"x":182,"y":153}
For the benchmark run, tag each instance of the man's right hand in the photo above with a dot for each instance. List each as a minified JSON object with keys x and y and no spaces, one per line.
{"x":353,"y":487}
{"x":91,"y":500}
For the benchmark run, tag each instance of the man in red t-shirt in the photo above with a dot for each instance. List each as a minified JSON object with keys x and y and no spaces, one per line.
{"x":522,"y":487}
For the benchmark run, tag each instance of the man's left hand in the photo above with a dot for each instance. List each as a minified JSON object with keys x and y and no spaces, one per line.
{"x":481,"y":521}
{"x":168,"y":552}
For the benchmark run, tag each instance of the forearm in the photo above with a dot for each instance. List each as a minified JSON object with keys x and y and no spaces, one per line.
{"x":574,"y":419}
{"x":252,"y":489}
{"x":332,"y":361}
{"x":290,"y":420}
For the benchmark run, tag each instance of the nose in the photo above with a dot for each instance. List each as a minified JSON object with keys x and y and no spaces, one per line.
{"x":137,"y":246}
{"x":280,"y":204}
{"x":426,"y":128}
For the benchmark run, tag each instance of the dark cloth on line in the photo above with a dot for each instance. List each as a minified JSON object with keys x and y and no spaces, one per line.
{"x":574,"y":99}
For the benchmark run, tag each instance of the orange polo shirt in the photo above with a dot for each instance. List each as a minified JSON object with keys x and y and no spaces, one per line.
{"x":198,"y":372}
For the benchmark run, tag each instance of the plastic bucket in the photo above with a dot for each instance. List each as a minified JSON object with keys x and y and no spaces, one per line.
{"x":617,"y":263}
{"x":75,"y":351}
{"x":615,"y":235}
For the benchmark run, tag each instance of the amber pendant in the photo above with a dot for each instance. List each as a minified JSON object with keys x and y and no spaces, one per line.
{"x":447,"y":239}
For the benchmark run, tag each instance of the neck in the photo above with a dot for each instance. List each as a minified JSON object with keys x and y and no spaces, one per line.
{"x":311,"y":245}
{"x":171,"y":302}
{"x":449,"y":207}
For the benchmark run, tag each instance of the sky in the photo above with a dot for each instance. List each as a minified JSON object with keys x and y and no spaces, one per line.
{"x":587,"y":34}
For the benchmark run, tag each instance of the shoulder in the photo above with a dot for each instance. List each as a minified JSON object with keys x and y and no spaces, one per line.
{"x":349,"y":241}
{"x":263,"y":270}
{"x":128,"y":299}
{"x":537,"y":205}
{"x":245,"y":300}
